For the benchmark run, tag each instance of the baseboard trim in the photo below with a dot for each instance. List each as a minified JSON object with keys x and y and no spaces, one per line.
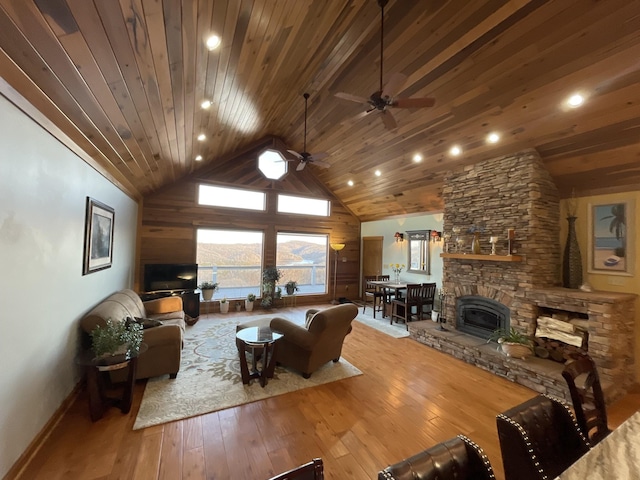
{"x":20,"y":465}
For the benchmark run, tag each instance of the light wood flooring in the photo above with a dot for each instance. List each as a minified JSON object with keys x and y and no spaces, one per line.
{"x":409,"y":398}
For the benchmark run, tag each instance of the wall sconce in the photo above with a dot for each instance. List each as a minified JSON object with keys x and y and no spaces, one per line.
{"x":399,"y":236}
{"x":436,"y":236}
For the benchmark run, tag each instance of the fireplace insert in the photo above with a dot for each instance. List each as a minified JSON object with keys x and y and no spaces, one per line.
{"x":480,"y":316}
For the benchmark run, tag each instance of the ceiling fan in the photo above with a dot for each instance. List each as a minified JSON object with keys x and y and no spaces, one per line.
{"x":304,"y":156}
{"x":383,"y":99}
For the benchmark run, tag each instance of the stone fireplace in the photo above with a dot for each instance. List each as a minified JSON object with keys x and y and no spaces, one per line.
{"x":485,"y":292}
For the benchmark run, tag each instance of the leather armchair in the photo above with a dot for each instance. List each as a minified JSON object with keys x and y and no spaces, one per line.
{"x":458,"y":458}
{"x":308,"y":348}
{"x":539,"y":439}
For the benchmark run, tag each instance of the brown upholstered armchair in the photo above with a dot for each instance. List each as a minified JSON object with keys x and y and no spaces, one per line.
{"x":308,"y":348}
{"x":457,"y":458}
{"x":539,"y":439}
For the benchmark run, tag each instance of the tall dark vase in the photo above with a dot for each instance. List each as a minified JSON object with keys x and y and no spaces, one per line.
{"x":572,"y":261}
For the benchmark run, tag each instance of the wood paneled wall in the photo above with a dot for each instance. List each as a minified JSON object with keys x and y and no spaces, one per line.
{"x":171,"y":216}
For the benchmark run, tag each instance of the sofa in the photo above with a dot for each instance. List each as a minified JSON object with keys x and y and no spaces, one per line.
{"x":306,"y":348}
{"x":164,"y":342}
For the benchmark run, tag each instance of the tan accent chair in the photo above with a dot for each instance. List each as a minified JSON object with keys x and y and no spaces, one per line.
{"x":164,"y":342}
{"x":308,"y":348}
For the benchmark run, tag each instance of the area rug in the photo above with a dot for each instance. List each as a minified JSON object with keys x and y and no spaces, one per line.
{"x":397,"y":330}
{"x":209,"y":379}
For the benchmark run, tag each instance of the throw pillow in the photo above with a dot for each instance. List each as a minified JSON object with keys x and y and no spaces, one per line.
{"x":148,"y":322}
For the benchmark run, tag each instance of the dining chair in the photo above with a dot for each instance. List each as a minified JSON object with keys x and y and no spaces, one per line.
{"x":539,"y":439}
{"x":428,"y":296}
{"x":583,"y":381}
{"x":402,"y":309}
{"x":313,"y":470}
{"x":372,"y":294}
{"x":456,"y":459}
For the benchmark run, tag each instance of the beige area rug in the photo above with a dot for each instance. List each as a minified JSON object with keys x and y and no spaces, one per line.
{"x":397,"y":330}
{"x":209,"y":377}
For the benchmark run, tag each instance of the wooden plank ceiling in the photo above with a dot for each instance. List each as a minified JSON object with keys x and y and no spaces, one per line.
{"x":125,"y":80}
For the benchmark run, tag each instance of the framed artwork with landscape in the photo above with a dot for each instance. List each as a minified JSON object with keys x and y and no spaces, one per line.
{"x":98,"y":236}
{"x":611,"y":238}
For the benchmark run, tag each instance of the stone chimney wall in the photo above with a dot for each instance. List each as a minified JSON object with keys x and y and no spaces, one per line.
{"x":514,"y":191}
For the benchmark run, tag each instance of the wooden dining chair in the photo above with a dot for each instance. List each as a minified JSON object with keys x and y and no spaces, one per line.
{"x":313,"y":470}
{"x":428,"y":296}
{"x":372,"y":294}
{"x":402,"y":309}
{"x":583,"y":381}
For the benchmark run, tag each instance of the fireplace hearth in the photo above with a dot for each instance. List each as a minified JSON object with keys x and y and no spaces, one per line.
{"x":480,"y":316}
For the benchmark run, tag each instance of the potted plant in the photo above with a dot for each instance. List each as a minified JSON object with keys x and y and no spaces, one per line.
{"x":512,"y":342}
{"x":270,"y":276}
{"x":238,"y":306}
{"x":291,"y":287}
{"x":208,"y":289}
{"x":116,"y":338}
{"x":224,"y":305}
{"x":248,"y":303}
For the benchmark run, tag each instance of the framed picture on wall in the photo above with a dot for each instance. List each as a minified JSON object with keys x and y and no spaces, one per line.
{"x":610,"y":237}
{"x":98,"y":236}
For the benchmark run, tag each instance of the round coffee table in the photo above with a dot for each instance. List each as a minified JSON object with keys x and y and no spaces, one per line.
{"x":255,"y":340}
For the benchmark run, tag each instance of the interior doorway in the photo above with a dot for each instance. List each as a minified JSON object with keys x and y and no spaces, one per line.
{"x":371,"y":258}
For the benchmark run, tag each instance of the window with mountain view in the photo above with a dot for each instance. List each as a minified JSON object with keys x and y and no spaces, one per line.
{"x":232,"y":259}
{"x":303,"y":258}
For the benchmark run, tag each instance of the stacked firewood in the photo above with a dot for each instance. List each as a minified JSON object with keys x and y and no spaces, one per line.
{"x":561,"y":337}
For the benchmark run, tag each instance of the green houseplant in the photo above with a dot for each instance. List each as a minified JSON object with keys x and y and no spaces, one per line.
{"x":248,"y":302}
{"x":512,"y":342}
{"x":116,"y":338}
{"x":224,"y":305}
{"x":270,"y":276}
{"x":291,"y":287}
{"x":208,"y":289}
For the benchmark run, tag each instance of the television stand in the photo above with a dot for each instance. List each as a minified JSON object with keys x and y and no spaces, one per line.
{"x":190,"y":299}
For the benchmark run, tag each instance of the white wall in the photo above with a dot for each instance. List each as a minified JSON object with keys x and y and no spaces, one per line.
{"x":43,"y":190}
{"x":397,"y":252}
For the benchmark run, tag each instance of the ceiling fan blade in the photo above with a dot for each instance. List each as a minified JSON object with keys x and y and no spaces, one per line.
{"x":414,"y":102}
{"x":388,"y":120}
{"x":394,"y":85}
{"x":321,"y":164}
{"x":352,"y":98}
{"x":295,"y":154}
{"x":301,"y":166}
{"x":319,"y":156}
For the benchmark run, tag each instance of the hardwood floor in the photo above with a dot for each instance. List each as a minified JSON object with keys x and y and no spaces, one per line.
{"x":408,"y":398}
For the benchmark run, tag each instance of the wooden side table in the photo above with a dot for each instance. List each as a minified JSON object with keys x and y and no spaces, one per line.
{"x":96,"y":369}
{"x":255,"y":340}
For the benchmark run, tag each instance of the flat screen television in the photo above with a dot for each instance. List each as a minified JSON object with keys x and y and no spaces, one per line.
{"x":167,"y":277}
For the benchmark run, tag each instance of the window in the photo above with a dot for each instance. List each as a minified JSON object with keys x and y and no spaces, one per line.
{"x":272,"y":164}
{"x":308,"y":206}
{"x":232,"y":259}
{"x":303,"y":258}
{"x":231,"y":197}
{"x":419,"y":259}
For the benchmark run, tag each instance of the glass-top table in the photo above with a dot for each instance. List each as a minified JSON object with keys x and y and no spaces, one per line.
{"x":259,"y":341}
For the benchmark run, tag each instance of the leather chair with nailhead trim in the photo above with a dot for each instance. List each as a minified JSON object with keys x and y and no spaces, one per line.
{"x":539,"y":439}
{"x":458,"y":458}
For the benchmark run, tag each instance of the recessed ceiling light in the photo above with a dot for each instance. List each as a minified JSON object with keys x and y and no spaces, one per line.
{"x":205,"y":104}
{"x":575,"y":100}
{"x":213,"y":42}
{"x":417,"y":158}
{"x":455,"y":150}
{"x":202,"y":137}
{"x":198,"y":158}
{"x":378,"y":173}
{"x":493,"y":137}
{"x":350,"y":183}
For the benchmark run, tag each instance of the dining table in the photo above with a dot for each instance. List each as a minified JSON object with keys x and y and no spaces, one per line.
{"x":388,"y":288}
{"x":617,"y":456}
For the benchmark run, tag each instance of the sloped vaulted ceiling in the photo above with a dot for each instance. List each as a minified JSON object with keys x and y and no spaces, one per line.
{"x":125,"y":80}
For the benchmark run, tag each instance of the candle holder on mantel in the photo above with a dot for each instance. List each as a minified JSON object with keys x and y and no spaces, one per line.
{"x":511,"y":236}
{"x":493,"y":241}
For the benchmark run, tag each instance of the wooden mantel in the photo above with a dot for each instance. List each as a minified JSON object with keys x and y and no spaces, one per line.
{"x":484,"y":258}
